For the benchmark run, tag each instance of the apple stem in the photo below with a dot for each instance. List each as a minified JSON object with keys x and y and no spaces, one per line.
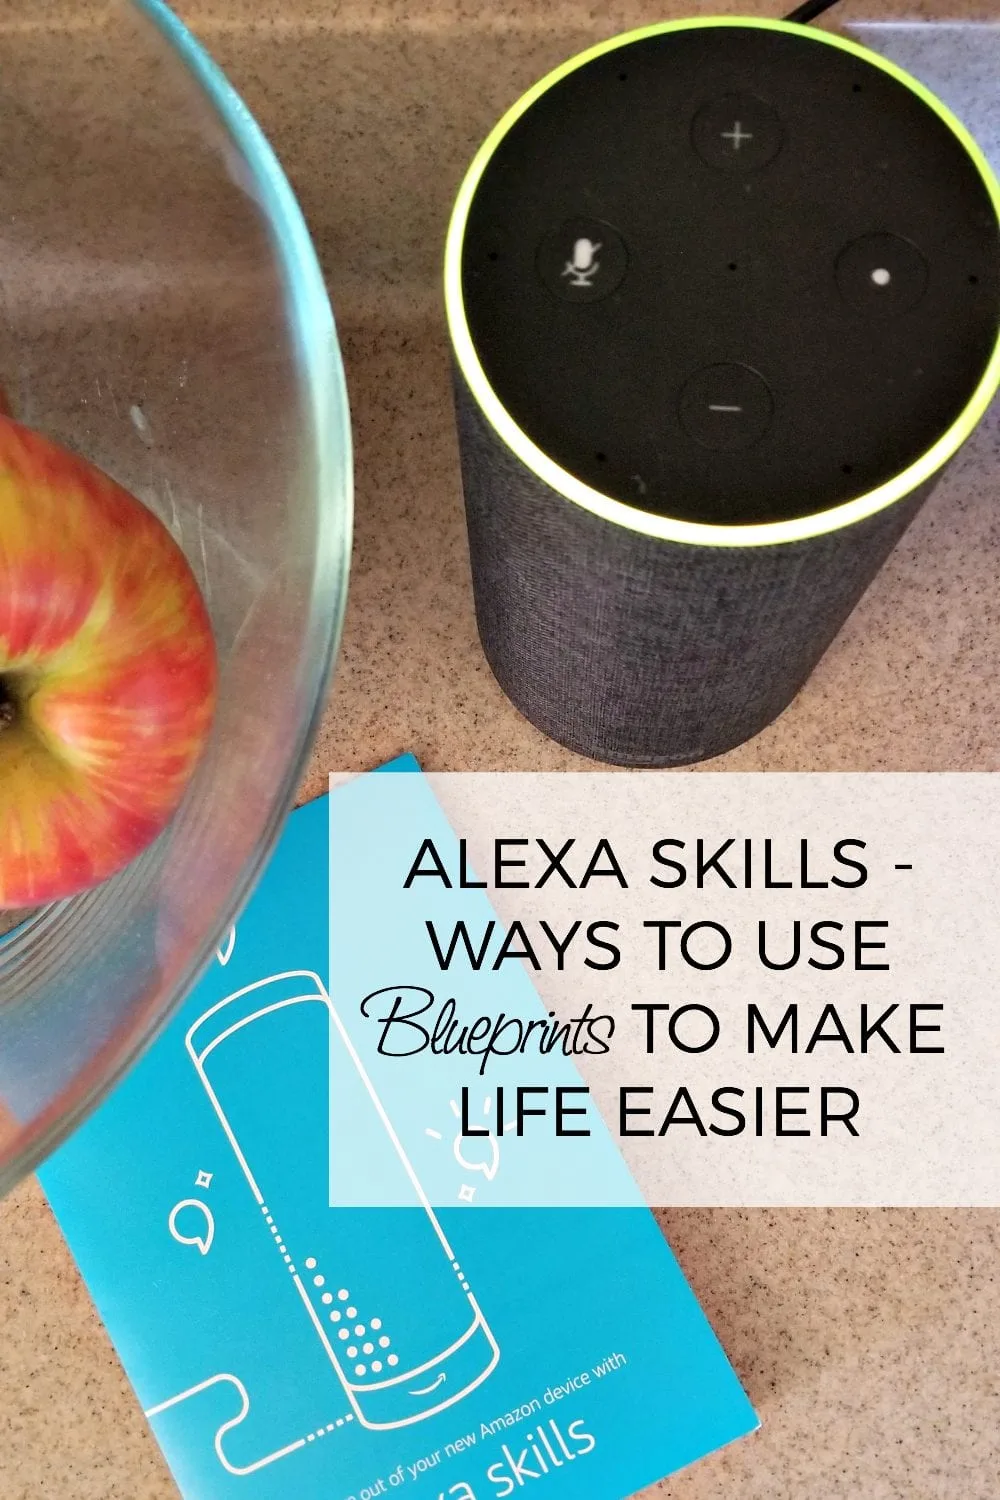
{"x":8,"y":708}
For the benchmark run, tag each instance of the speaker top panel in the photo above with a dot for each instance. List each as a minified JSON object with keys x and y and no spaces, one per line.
{"x":732,"y":274}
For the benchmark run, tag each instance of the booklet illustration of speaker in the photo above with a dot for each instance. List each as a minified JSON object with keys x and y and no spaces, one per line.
{"x":404,"y":1347}
{"x":289,"y":1337}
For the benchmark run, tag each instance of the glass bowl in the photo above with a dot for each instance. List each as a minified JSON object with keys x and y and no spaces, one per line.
{"x":163,"y":313}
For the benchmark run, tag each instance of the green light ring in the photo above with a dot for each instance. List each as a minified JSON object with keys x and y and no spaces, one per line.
{"x":666,"y":528}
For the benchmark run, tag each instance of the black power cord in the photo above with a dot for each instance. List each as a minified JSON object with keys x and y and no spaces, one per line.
{"x":809,"y":10}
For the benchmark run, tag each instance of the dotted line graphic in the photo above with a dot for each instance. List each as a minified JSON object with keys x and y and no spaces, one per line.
{"x":276,"y":1233}
{"x":461,"y":1276}
{"x":321,"y":1432}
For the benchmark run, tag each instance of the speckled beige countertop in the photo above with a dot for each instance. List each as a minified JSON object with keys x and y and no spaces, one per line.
{"x":869,"y":1341}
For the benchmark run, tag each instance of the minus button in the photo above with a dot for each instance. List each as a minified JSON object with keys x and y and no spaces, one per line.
{"x":725,"y":406}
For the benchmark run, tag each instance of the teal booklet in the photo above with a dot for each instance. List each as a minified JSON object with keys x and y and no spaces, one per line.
{"x":285,"y":1347}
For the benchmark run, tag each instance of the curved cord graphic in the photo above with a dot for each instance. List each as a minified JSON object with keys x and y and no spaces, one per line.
{"x":233,"y":1380}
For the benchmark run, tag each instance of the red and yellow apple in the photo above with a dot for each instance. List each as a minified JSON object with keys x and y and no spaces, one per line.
{"x":107,"y":672}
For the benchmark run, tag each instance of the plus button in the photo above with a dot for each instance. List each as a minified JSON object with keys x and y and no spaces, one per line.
{"x":737,"y":135}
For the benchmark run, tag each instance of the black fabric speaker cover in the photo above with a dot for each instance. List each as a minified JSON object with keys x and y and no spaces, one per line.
{"x":644,"y":652}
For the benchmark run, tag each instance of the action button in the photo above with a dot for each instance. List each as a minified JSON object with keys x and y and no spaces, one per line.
{"x":726,"y":407}
{"x":583,"y":260}
{"x":737,"y":133}
{"x":881,"y":274}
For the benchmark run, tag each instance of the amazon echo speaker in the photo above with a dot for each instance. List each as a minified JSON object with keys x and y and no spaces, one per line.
{"x":724,"y":300}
